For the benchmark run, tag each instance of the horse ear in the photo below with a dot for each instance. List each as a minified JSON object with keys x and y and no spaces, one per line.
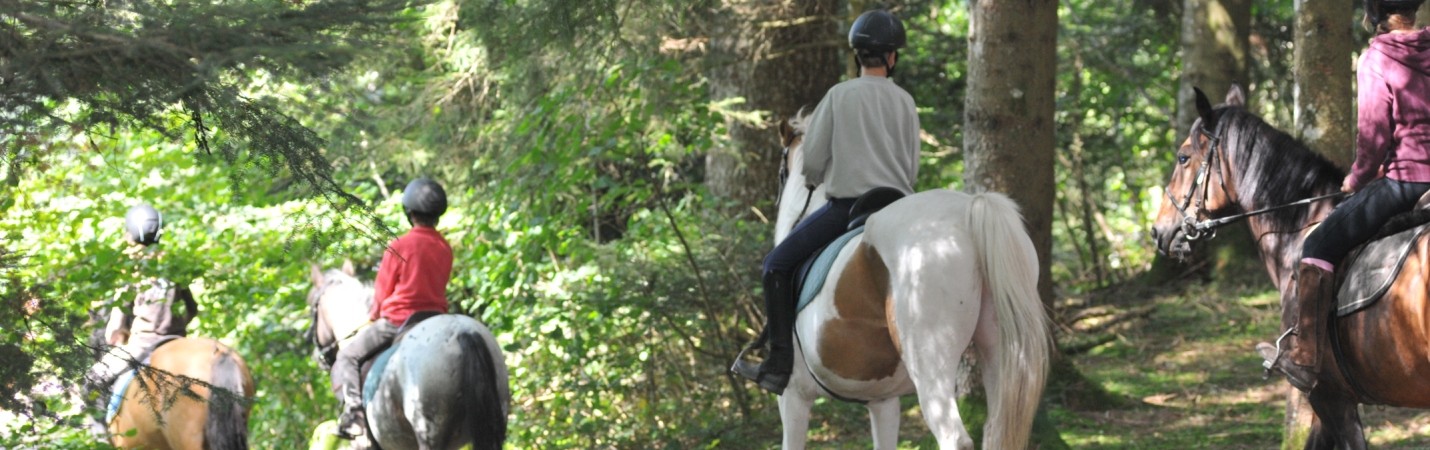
{"x":786,"y":132}
{"x":1235,"y":97}
{"x":348,"y":268}
{"x":316,"y":273}
{"x":1204,"y":109}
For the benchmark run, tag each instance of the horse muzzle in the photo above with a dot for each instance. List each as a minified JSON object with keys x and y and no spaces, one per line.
{"x":1174,"y":241}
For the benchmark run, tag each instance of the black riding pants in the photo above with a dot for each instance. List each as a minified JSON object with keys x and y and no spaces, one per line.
{"x":822,"y":226}
{"x":1357,"y":219}
{"x":372,"y":340}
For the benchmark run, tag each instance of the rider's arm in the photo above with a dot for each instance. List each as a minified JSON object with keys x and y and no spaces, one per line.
{"x":1375,"y":132}
{"x":388,"y":273}
{"x":817,"y":148}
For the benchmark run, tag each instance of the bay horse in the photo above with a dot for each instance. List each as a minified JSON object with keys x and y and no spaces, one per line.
{"x":195,"y":394}
{"x":444,"y":385}
{"x":932,"y":273}
{"x":1234,"y":165}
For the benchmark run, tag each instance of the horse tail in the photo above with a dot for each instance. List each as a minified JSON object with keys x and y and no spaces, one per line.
{"x":1009,"y":268}
{"x":227,"y":427}
{"x":486,"y":418}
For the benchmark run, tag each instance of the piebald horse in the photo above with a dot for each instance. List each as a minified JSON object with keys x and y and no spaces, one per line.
{"x":172,"y":403}
{"x":444,"y":387}
{"x":932,"y":273}
{"x":1235,"y":165}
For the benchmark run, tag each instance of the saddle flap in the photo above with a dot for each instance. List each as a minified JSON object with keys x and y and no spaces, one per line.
{"x":1372,"y":268}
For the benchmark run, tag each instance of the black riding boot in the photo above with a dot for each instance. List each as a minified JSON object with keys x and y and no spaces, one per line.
{"x":1305,"y":318}
{"x":773,"y":374}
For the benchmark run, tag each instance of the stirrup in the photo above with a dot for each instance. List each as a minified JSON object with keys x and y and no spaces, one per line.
{"x":1271,"y":363}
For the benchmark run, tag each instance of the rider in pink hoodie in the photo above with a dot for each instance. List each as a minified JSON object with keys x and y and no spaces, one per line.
{"x":1393,"y":83}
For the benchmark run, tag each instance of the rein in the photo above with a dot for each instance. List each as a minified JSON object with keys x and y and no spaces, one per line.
{"x":1195,"y":230}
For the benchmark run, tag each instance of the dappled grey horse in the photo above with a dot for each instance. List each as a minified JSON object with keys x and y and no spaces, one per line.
{"x":442,"y":385}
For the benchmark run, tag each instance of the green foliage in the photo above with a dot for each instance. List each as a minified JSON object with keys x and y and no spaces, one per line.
{"x":571,"y":137}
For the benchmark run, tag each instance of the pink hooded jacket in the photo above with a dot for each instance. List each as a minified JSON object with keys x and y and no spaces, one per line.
{"x":1394,"y":116}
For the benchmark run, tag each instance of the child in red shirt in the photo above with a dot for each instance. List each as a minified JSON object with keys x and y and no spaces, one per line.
{"x":412,"y":278}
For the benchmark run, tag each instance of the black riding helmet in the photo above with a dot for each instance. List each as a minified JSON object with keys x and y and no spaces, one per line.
{"x":877,"y":31}
{"x":424,"y":197}
{"x":143,"y":224}
{"x":874,"y":34}
{"x":1379,"y":10}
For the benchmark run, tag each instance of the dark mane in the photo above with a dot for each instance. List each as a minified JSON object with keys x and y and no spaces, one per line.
{"x":1274,"y":168}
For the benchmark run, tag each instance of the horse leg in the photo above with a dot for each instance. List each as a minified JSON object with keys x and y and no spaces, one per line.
{"x":794,"y":414}
{"x":884,"y":420}
{"x":1337,"y":423}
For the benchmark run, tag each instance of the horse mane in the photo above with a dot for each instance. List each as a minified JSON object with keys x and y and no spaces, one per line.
{"x":1274,"y":168}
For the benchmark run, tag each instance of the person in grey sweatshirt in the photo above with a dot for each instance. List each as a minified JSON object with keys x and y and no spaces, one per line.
{"x":863,"y":135}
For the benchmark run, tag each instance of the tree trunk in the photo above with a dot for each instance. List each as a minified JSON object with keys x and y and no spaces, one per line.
{"x":1008,"y":120}
{"x":1214,"y":53}
{"x":1325,"y":102}
{"x":778,"y":57}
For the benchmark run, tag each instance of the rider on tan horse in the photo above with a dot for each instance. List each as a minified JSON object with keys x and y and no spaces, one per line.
{"x":139,"y":323}
{"x":1393,"y":141}
{"x":412,"y":278}
{"x":863,"y":135}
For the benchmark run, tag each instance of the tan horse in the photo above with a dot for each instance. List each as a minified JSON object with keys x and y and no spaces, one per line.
{"x":171,"y":404}
{"x":1235,"y":165}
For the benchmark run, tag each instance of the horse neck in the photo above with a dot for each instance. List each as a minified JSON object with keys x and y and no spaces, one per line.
{"x":346,"y":309}
{"x":1279,"y":235}
{"x":795,"y":200}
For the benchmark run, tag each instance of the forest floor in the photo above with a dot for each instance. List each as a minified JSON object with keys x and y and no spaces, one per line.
{"x":1162,"y":369}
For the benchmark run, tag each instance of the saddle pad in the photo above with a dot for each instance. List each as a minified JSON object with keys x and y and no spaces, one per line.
{"x":374,"y":378}
{"x":819,"y":268}
{"x":120,"y":385}
{"x":1373,"y":269}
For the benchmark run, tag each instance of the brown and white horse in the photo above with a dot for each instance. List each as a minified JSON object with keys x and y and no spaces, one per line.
{"x":195,"y":394}
{"x":933,"y":273}
{"x":1235,"y":163}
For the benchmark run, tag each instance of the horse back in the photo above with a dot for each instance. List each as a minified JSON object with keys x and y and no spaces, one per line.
{"x":1387,"y":345}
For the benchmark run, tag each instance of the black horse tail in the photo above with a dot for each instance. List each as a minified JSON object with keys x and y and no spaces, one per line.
{"x":485,"y":416}
{"x":227,"y":428}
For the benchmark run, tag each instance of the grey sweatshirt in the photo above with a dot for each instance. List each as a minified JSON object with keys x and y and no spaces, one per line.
{"x":864,"y":134}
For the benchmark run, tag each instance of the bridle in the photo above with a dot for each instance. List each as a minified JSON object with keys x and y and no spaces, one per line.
{"x":784,"y":176}
{"x":1194,"y":229}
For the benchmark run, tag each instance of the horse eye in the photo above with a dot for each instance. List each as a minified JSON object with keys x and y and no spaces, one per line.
{"x":1182,"y":158}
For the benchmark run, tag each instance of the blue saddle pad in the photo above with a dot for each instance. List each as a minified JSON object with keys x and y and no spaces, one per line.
{"x":374,"y":375}
{"x":818,"y":268}
{"x":121,"y":384}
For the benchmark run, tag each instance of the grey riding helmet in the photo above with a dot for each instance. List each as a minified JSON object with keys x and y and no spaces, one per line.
{"x":143,"y":224}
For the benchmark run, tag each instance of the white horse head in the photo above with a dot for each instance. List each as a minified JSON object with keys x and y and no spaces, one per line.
{"x":933,"y":274}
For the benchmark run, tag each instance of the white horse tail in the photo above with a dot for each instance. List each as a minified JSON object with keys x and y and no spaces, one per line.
{"x":1008,"y":264}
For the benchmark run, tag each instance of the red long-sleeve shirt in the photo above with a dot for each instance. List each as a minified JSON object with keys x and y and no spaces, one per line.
{"x":413,"y":276}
